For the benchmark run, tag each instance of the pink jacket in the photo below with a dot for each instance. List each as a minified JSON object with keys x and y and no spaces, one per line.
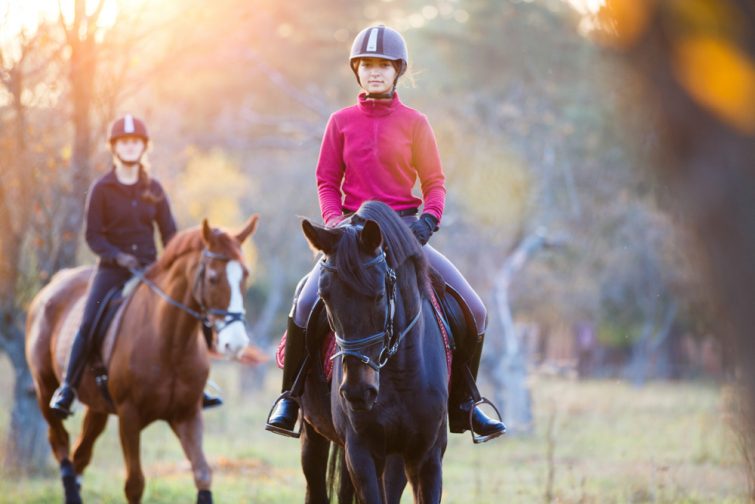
{"x":376,"y":150}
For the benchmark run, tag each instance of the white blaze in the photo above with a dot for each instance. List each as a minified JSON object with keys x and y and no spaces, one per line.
{"x":232,"y":338}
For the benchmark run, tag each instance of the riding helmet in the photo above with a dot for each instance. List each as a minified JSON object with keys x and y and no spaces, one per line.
{"x":128,"y":125}
{"x":379,"y":42}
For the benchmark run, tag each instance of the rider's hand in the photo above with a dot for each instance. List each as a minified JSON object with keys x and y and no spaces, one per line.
{"x":127,"y":261}
{"x":424,"y":227}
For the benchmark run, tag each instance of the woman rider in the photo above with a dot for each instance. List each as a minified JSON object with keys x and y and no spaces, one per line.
{"x":376,"y":150}
{"x":122,"y":209}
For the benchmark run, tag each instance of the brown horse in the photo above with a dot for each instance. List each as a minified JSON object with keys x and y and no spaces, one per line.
{"x":156,"y":356}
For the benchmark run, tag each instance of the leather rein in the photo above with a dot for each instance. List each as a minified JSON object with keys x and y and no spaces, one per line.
{"x":388,"y":337}
{"x":204,"y":314}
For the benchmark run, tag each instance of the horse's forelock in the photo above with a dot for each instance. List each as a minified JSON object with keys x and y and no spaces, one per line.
{"x":350,"y":264}
{"x":399,"y":242}
{"x":190,"y":240}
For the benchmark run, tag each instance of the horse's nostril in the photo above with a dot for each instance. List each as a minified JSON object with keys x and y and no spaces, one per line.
{"x":370,"y":395}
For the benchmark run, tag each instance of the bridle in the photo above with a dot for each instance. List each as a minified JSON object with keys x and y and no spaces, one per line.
{"x":388,"y":337}
{"x":223,"y":318}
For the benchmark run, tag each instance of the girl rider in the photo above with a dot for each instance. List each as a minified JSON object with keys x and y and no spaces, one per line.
{"x":123,"y":207}
{"x":376,"y":150}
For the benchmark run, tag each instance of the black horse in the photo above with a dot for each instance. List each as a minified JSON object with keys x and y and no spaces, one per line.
{"x":388,"y":396}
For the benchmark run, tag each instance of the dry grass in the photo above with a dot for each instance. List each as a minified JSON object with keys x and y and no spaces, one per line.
{"x":608,"y":442}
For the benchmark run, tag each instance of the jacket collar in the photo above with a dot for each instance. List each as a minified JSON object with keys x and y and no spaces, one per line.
{"x":111,"y":178}
{"x":377,"y":108}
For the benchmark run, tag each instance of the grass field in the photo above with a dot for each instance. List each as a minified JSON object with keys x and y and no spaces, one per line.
{"x":610,"y":442}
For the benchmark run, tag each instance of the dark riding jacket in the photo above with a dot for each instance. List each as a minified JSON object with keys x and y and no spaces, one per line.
{"x":120,"y":218}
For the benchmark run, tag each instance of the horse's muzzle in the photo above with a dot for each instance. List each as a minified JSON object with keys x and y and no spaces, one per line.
{"x":359,"y":398}
{"x":232,"y":340}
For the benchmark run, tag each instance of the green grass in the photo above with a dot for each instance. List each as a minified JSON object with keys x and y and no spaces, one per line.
{"x":663,"y":443}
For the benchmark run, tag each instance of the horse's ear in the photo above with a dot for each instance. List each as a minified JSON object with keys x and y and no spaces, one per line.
{"x":370,"y":237}
{"x":320,"y":238}
{"x":207,"y":236}
{"x":249,"y":228}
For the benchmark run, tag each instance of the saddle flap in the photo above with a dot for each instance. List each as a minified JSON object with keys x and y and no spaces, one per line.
{"x":320,"y":340}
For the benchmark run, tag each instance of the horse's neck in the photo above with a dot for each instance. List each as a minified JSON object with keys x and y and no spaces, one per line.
{"x":176,"y":329}
{"x":409,"y":300}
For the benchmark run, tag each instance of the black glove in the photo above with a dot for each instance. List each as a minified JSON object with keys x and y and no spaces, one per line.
{"x":127,"y":261}
{"x":424,"y":227}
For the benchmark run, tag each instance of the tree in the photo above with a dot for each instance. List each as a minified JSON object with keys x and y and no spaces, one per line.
{"x":26,"y":444}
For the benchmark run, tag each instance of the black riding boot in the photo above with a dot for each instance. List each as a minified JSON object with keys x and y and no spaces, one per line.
{"x":282,"y":418}
{"x":210,"y":400}
{"x":65,"y":394}
{"x":464,"y":399}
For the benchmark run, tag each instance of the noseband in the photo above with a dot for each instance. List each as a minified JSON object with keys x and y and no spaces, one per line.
{"x":388,"y":337}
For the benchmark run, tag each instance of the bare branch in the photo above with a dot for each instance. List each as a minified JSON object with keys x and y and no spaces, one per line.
{"x":94,"y":17}
{"x":68,"y":32}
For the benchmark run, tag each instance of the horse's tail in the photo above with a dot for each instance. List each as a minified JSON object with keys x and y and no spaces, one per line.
{"x":338,"y":479}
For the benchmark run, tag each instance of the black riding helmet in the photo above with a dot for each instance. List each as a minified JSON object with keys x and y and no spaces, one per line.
{"x":128,"y":125}
{"x":379,"y":42}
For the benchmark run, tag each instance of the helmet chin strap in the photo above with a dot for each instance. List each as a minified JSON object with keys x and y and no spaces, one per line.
{"x":128,"y":163}
{"x":380,"y":96}
{"x":383,"y":96}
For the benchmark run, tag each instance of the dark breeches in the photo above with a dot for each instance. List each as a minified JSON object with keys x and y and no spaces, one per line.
{"x":105,"y":277}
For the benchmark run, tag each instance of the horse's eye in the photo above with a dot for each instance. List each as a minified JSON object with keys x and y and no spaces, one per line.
{"x":213,"y":279}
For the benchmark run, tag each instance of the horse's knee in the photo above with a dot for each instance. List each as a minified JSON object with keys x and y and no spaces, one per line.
{"x":134,"y":487}
{"x":81,"y":459}
{"x":58,"y":438}
{"x":203,"y":478}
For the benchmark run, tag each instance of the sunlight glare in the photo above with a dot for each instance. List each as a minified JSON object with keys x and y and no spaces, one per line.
{"x":586,"y":7}
{"x":16,"y":17}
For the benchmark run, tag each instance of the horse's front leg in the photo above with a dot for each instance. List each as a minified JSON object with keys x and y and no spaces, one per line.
{"x":94,"y":424}
{"x":314,"y":454}
{"x":364,"y":470}
{"x":394,"y":479}
{"x":189,"y":431}
{"x":426,"y":477}
{"x":130,"y":428}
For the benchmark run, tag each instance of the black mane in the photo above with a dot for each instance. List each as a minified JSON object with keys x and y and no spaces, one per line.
{"x":399,"y":244}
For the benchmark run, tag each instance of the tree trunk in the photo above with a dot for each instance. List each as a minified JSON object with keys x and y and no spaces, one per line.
{"x":27,"y":450}
{"x":646,"y":349}
{"x":510,"y":373}
{"x":82,"y":69}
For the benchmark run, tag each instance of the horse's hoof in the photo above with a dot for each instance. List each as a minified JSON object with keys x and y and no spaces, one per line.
{"x":204,"y":497}
{"x":71,"y":488}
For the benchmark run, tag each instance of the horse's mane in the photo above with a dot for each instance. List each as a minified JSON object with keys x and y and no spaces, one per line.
{"x":398,"y":241}
{"x":184,"y":242}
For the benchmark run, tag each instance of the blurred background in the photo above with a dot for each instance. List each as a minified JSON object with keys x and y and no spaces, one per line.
{"x":598,"y":159}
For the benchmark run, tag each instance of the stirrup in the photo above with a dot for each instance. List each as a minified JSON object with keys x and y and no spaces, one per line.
{"x":277,"y":430}
{"x":477,"y":439}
